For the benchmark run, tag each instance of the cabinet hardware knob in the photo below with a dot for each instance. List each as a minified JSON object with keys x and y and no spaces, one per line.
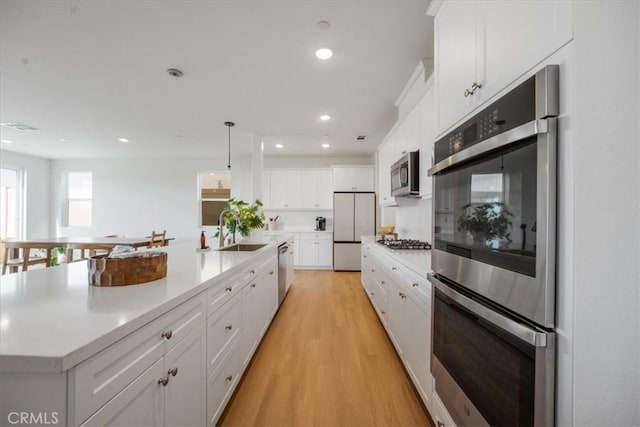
{"x":404,"y":152}
{"x":440,"y":423}
{"x":228,"y":289}
{"x":228,"y":327}
{"x":167,"y":334}
{"x":383,"y":282}
{"x":475,"y":86}
{"x":271,"y":272}
{"x":173,"y":371}
{"x":372,"y":294}
{"x":394,"y":268}
{"x":403,"y":296}
{"x":253,"y":285}
{"x":229,"y":378}
{"x":164,"y":381}
{"x":252,"y":272}
{"x":383,"y":312}
{"x":415,"y":285}
{"x":372,"y":270}
{"x":364,"y":256}
{"x":467,"y":92}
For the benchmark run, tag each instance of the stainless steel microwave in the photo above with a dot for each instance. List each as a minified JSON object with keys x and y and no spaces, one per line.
{"x":405,"y":175}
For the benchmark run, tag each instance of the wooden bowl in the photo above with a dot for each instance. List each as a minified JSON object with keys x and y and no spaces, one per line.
{"x":105,"y":271}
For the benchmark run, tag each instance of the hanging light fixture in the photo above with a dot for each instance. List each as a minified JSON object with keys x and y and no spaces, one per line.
{"x":229,"y":125}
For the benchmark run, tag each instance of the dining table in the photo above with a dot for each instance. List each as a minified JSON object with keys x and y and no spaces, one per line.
{"x":48,"y":243}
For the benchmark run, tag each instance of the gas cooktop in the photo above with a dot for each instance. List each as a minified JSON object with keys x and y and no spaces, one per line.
{"x":405,"y":244}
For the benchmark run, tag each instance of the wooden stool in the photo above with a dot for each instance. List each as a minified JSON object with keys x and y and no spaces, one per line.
{"x":24,"y":261}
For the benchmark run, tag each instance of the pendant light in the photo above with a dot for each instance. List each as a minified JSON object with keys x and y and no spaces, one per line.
{"x":229,"y":125}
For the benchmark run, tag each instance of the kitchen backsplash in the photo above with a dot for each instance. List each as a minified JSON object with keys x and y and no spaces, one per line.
{"x":299,"y":220}
{"x":413,"y":220}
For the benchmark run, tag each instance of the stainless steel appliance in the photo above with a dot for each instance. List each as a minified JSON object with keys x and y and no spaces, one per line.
{"x":285,"y":266}
{"x":354,"y":215}
{"x":405,"y":175}
{"x":404,"y":244}
{"x":321,"y":223}
{"x":493,"y":260}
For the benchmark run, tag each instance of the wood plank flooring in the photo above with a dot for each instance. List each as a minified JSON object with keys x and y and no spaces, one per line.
{"x":325,"y":361}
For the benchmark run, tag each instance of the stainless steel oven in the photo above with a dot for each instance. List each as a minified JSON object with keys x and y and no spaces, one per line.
{"x":495,"y":200}
{"x":490,"y":369}
{"x":493,"y":260}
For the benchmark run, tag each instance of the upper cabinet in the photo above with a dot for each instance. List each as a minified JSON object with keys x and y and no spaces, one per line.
{"x":353,"y":178}
{"x":483,"y":46}
{"x":302,"y":189}
{"x":426,"y":135}
{"x":385,"y":156}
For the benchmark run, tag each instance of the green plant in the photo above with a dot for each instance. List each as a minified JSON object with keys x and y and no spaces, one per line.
{"x":488,"y":221}
{"x":55,"y":255}
{"x":244,"y":217}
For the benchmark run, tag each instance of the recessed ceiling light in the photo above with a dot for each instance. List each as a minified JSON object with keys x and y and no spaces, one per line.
{"x":123,"y":140}
{"x":323,"y":25}
{"x":18,"y":126}
{"x":279,"y":146}
{"x":326,"y":145}
{"x":325,"y":117}
{"x":64,"y":140}
{"x":324,"y":53}
{"x":7,"y":141}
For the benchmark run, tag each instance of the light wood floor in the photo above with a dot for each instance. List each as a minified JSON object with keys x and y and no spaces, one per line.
{"x":325,"y":361}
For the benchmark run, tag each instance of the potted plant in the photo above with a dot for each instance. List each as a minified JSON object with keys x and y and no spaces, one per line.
{"x":244,"y":217}
{"x":488,"y":221}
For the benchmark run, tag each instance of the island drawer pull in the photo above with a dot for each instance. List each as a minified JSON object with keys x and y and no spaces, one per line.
{"x":167,"y":334}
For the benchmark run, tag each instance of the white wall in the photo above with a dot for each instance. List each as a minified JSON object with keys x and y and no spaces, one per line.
{"x":607,"y":205}
{"x":413,"y":219}
{"x":134,"y":197}
{"x":37,"y":191}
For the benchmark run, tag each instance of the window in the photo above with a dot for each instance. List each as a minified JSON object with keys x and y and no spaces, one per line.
{"x":79,"y":199}
{"x":11,"y":212}
{"x":214,"y":191}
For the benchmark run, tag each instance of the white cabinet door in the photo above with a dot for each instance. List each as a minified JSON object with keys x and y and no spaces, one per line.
{"x":242,"y":185}
{"x":412,"y":124}
{"x":384,"y":173}
{"x":186,"y":391}
{"x":250,"y":321}
{"x":308,"y":252}
{"x":426,"y":135}
{"x":297,"y":250}
{"x":141,"y":403}
{"x":325,"y":252}
{"x":364,"y":179}
{"x":395,"y":318}
{"x":417,"y":347}
{"x":456,"y":44}
{"x":266,"y":188}
{"x":399,"y":141}
{"x":285,"y":188}
{"x":517,"y":36}
{"x":324,"y":189}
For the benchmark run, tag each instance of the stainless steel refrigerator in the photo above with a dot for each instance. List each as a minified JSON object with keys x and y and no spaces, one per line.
{"x":354,"y":215}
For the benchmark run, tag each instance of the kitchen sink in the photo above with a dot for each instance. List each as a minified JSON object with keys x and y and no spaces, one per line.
{"x":243,"y":247}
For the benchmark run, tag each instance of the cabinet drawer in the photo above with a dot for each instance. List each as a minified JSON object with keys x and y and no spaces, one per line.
{"x":418,"y":286}
{"x":326,"y":236}
{"x":222,"y":292}
{"x":221,"y":384}
{"x":223,"y":331}
{"x":98,"y":379}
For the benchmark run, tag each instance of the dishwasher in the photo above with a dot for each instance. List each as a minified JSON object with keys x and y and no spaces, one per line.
{"x":284,"y":264}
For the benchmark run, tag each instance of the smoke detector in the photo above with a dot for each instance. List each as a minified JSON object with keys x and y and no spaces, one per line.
{"x":174,"y":72}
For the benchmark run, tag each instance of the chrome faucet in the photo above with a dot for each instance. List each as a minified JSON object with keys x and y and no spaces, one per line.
{"x":221,"y":235}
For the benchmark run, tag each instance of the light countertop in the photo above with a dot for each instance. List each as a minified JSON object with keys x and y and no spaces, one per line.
{"x":51,"y":319}
{"x":296,"y":230}
{"x":417,"y":260}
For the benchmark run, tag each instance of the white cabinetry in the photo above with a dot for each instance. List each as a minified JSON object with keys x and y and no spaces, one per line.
{"x":385,"y":154}
{"x":316,"y":250}
{"x":426,"y":137}
{"x":305,"y":189}
{"x":242,"y":185}
{"x":402,"y":300}
{"x":317,"y":191}
{"x":353,"y":178}
{"x":490,"y":44}
{"x":285,"y":189}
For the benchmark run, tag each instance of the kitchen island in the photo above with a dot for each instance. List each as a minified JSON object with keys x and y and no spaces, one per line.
{"x":92,"y":354}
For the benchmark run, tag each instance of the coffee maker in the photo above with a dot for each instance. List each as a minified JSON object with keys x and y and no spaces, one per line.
{"x":321,"y":223}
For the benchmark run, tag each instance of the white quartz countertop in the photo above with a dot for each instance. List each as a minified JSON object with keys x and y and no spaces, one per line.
{"x":417,"y":260}
{"x":51,"y":319}
{"x":297,"y":230}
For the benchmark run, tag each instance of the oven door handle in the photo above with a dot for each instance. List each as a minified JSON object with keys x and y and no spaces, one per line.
{"x":534,"y":127}
{"x":525,"y":333}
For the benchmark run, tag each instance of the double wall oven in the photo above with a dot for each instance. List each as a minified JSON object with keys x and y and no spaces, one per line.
{"x":493,"y":260}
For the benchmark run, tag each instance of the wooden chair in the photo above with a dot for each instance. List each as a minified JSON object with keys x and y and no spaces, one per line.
{"x":86,"y":250}
{"x":157,"y":239}
{"x":13,"y":259}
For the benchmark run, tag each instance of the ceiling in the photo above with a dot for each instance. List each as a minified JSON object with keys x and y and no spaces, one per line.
{"x":86,"y":73}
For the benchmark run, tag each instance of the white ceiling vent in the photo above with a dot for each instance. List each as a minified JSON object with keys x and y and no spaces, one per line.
{"x":18,"y":126}
{"x":361,"y":137}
